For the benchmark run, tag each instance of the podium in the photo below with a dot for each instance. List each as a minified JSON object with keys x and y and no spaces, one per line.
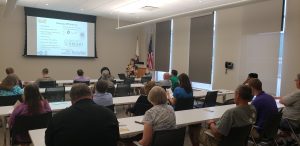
{"x":140,"y":72}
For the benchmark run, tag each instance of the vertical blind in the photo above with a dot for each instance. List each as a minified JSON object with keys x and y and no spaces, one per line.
{"x":201,"y":48}
{"x":162,"y":46}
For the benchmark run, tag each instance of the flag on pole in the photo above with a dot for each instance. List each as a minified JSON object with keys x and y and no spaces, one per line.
{"x":150,"y":56}
{"x":137,"y":50}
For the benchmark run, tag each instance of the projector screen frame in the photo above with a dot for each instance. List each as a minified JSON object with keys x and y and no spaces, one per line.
{"x":36,"y":12}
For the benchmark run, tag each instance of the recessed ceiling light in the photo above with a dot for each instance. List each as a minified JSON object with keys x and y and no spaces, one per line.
{"x":46,"y":4}
{"x":81,"y":9}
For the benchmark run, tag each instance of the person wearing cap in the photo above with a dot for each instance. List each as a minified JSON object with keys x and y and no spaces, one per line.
{"x":250,"y":76}
{"x":292,"y":107}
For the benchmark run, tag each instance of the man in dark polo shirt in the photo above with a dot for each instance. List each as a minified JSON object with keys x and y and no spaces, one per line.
{"x":84,"y":123}
{"x":264,"y":104}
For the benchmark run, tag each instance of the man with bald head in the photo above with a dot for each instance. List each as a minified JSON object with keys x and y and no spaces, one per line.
{"x":83,"y":123}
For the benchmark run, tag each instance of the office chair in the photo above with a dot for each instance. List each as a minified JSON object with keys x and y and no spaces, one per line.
{"x":10,"y":100}
{"x":55,"y":94}
{"x":25,"y":123}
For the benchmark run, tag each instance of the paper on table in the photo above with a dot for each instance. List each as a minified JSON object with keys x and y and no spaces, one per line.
{"x":123,"y":129}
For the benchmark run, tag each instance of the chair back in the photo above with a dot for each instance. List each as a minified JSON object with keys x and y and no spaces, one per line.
{"x":25,"y":123}
{"x":166,"y":87}
{"x":129,"y":80}
{"x":210,"y":99}
{"x":122,"y":90}
{"x":111,"y":90}
{"x":122,"y":76}
{"x":173,"y":137}
{"x":55,"y":94}
{"x":141,"y":108}
{"x":85,"y":82}
{"x":271,"y":125}
{"x":10,"y":100}
{"x":47,"y":84}
{"x":229,"y":101}
{"x":238,"y":136}
{"x":184,"y":104}
{"x":146,"y":79}
{"x":111,"y":107}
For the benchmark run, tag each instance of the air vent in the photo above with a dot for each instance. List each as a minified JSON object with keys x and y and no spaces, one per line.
{"x":149,"y":8}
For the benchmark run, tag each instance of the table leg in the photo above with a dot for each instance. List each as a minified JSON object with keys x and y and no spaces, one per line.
{"x":4,"y":129}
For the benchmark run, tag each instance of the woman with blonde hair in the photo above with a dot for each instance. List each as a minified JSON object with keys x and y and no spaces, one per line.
{"x":160,"y":117}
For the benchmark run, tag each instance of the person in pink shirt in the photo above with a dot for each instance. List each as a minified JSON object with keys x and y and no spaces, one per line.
{"x":34,"y":104}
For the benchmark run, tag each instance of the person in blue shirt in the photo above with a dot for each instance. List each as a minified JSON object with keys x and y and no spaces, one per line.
{"x":10,"y":86}
{"x":264,"y":104}
{"x":184,"y":90}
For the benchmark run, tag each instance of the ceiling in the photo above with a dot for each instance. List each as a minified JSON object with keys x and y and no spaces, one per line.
{"x":130,"y":10}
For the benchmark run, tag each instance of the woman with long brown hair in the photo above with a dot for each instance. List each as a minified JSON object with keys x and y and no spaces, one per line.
{"x":184,"y":90}
{"x":10,"y":86}
{"x":33,"y":104}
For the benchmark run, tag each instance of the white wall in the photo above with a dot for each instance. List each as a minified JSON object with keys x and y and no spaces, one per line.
{"x":114,"y":49}
{"x":291,"y":55}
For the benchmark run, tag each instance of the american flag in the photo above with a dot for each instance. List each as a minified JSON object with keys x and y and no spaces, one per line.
{"x":150,"y":56}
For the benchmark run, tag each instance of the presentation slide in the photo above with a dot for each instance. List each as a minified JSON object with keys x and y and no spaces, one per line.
{"x":61,"y":37}
{"x":58,"y":37}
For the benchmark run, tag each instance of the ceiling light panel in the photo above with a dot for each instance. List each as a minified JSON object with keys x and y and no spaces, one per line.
{"x":137,"y":5}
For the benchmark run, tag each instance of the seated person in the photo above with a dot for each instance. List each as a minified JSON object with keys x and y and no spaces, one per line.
{"x":250,"y":76}
{"x":160,"y":117}
{"x":101,"y":97}
{"x":81,"y":77}
{"x":241,"y":115}
{"x":10,"y":71}
{"x":106,"y":71}
{"x":105,"y":76}
{"x":147,"y":72}
{"x":166,"y":82}
{"x":84,"y":123}
{"x":292,"y":108}
{"x":142,"y":101}
{"x":174,"y":79}
{"x":131,"y":69}
{"x":264,"y":104}
{"x":34,"y":104}
{"x":45,"y":76}
{"x":10,"y":86}
{"x":184,"y":90}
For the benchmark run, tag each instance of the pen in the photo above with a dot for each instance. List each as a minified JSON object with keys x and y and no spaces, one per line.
{"x":139,"y":122}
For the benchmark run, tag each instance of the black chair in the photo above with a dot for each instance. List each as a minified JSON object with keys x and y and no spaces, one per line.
{"x":173,"y":137}
{"x":111,"y":107}
{"x":111,"y":90}
{"x":294,"y":131}
{"x":146,"y":79}
{"x":55,"y":94}
{"x":166,"y":87}
{"x":184,"y":104}
{"x":129,"y":80}
{"x":238,"y":136}
{"x":122,"y":90}
{"x":85,"y":82}
{"x":270,"y":130}
{"x":10,"y":100}
{"x":47,"y":84}
{"x":229,"y":101}
{"x":139,"y":109}
{"x":210,"y":100}
{"x":25,"y":123}
{"x":122,"y":76}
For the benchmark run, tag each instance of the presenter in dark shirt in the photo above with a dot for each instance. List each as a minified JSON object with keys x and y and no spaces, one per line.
{"x":84,"y":123}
